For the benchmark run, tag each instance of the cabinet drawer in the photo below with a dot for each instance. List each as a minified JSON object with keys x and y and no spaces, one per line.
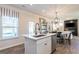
{"x":44,"y":46}
{"x":43,"y":40}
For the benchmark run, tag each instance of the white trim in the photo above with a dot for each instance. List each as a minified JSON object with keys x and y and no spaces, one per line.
{"x":11,"y":45}
{"x":10,"y":38}
{"x":0,"y":28}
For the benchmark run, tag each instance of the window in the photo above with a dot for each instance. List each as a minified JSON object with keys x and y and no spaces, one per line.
{"x":9,"y":27}
{"x":9,"y":24}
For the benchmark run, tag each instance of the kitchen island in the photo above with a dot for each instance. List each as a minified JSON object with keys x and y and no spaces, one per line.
{"x":40,"y":44}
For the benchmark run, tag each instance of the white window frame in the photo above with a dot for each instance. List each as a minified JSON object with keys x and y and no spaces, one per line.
{"x":0,"y":28}
{"x":11,"y":37}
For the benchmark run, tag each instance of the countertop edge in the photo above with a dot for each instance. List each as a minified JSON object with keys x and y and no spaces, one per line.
{"x":37,"y":38}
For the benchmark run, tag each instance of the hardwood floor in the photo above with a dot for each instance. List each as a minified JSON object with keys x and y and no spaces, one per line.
{"x":69,"y":49}
{"x":14,"y":50}
{"x":61,"y":49}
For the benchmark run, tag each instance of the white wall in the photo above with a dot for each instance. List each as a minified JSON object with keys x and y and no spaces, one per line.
{"x":24,"y":18}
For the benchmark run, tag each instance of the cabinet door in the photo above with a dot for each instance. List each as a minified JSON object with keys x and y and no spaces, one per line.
{"x":44,"y":46}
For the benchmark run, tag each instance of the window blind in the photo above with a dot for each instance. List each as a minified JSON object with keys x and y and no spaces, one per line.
{"x":9,"y":23}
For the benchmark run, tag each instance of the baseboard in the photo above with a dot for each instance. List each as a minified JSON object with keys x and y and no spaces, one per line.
{"x":11,"y":46}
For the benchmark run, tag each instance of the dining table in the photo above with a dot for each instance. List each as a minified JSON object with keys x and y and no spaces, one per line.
{"x":67,"y":36}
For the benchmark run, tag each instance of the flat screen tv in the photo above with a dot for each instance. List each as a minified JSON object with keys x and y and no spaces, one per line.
{"x":70,"y":24}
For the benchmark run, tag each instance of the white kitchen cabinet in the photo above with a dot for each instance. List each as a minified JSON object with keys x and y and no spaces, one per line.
{"x":38,"y":45}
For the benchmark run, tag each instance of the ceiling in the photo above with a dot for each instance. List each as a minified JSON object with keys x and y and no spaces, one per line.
{"x":48,"y":10}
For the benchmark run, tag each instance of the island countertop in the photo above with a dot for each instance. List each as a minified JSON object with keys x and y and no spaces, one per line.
{"x":37,"y":38}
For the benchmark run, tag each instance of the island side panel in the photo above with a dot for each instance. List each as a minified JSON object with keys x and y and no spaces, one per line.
{"x":30,"y":46}
{"x":54,"y":42}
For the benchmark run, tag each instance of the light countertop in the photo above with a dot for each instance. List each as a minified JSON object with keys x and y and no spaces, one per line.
{"x":37,"y":38}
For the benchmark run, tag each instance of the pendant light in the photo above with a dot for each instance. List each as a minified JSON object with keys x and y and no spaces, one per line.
{"x":56,"y":19}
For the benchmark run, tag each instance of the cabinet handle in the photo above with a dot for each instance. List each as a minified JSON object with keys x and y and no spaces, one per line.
{"x":45,"y":44}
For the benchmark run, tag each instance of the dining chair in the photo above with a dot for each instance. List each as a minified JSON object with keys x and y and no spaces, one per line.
{"x":59,"y":37}
{"x":67,"y":38}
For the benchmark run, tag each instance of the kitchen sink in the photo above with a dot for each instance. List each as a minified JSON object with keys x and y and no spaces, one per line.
{"x":38,"y":35}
